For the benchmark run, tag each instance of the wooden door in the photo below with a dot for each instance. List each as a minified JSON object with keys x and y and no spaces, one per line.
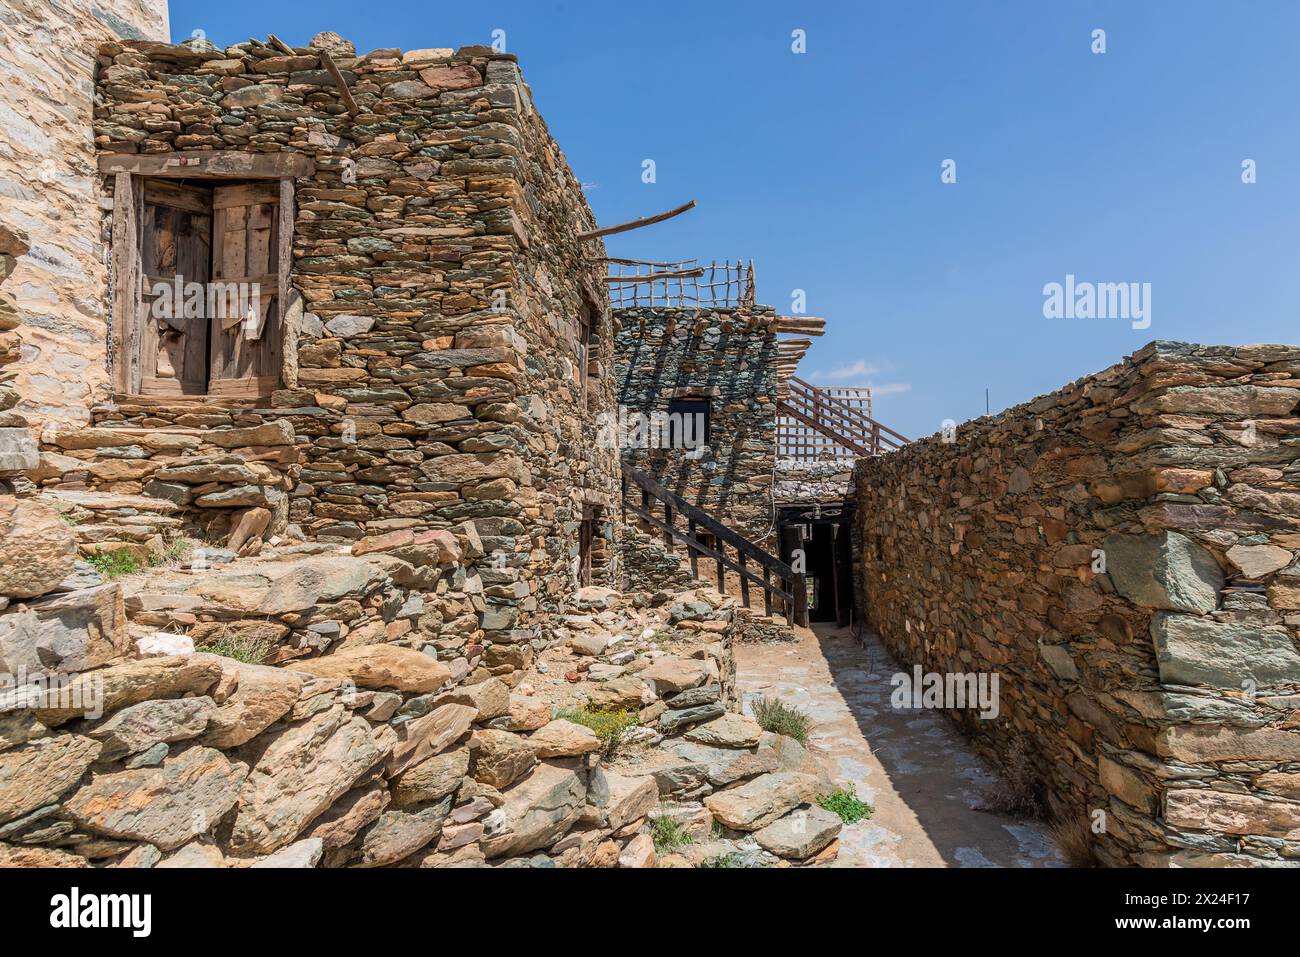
{"x":586,"y":536}
{"x":175,"y":255}
{"x":245,"y":335}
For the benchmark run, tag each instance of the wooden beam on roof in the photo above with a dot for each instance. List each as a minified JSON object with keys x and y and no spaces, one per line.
{"x":801,"y":325}
{"x":677,"y":274}
{"x":215,"y":164}
{"x":344,"y":91}
{"x":280,"y":45}
{"x":643,"y":262}
{"x":636,"y":223}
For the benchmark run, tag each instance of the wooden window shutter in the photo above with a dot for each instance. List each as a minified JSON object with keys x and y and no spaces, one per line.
{"x":245,"y":336}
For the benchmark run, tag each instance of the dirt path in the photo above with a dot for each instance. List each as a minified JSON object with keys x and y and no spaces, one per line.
{"x":921,"y":776}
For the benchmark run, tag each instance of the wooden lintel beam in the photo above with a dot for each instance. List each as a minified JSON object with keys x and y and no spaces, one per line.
{"x":344,"y":91}
{"x":636,"y":223}
{"x":214,"y":164}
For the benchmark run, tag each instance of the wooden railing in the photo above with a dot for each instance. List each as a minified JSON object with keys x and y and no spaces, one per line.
{"x":683,"y":284}
{"x":779,"y":583}
{"x":837,"y":419}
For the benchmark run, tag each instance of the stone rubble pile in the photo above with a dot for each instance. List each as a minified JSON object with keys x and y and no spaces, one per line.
{"x":322,"y":706}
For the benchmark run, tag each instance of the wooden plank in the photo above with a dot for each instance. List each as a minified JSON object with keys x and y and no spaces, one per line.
{"x":327,"y":61}
{"x":744,"y":583}
{"x":125,"y":277}
{"x":695,"y":562}
{"x":157,"y":256}
{"x":246,"y":194}
{"x":288,"y":343}
{"x":194,"y":262}
{"x":636,"y":223}
{"x":249,"y":387}
{"x":192,"y":199}
{"x":280,"y":45}
{"x":651,"y":277}
{"x":710,"y":524}
{"x":798,"y":614}
{"x":213,"y":164}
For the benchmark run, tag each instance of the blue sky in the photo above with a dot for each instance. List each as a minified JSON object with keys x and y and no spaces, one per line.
{"x":824,"y":167}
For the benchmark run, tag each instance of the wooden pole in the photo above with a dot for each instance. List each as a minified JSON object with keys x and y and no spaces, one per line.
{"x":631,"y":224}
{"x":328,"y":62}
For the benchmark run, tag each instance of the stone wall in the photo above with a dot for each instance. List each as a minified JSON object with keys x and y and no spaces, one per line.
{"x":49,"y":191}
{"x":729,"y":358}
{"x":799,"y":482}
{"x":435,"y":251}
{"x":1123,"y":553}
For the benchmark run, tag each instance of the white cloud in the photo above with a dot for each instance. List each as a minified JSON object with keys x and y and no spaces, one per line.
{"x":858,"y":373}
{"x":841,"y":374}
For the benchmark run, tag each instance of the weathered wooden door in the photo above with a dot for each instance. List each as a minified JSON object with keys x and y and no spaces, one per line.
{"x":175,"y":265}
{"x":245,"y":339}
{"x":586,"y":538}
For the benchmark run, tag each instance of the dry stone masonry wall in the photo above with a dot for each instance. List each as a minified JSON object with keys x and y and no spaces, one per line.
{"x":1161,"y":690}
{"x":438,"y":375}
{"x":727,"y":357}
{"x":49,"y":192}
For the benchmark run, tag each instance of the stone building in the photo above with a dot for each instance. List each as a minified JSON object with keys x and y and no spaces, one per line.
{"x":714,"y":372}
{"x":769,"y":456}
{"x":427,"y":343}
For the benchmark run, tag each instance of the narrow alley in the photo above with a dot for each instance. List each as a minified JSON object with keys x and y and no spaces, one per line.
{"x":923,"y":779}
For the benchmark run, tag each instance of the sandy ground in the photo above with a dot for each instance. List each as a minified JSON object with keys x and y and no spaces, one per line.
{"x":919,"y":773}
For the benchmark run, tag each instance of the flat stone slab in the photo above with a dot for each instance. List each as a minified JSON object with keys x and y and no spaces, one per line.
{"x":801,"y":833}
{"x":762,"y":800}
{"x":167,"y":805}
{"x":1168,"y":571}
{"x":729,"y":731}
{"x":1200,"y":651}
{"x":380,"y":666}
{"x":106,"y":501}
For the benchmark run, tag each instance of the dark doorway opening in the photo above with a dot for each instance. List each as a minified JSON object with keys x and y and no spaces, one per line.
{"x":593,"y":551}
{"x":819,"y":542}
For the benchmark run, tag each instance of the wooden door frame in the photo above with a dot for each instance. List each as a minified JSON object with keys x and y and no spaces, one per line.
{"x":128,"y":172}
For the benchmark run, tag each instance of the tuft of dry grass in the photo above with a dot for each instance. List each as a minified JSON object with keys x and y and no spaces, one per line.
{"x":1018,"y":791}
{"x":773,"y":714}
{"x":252,"y":651}
{"x":1073,"y":839}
